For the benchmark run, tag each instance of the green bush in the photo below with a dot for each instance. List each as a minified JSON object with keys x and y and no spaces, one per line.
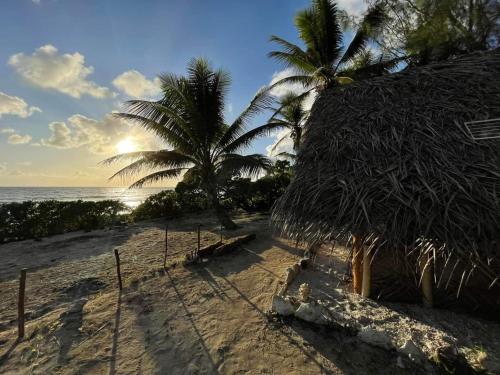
{"x":164,"y":204}
{"x":39,"y":219}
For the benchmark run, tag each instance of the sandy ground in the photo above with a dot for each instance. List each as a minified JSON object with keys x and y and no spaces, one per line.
{"x":207,"y":319}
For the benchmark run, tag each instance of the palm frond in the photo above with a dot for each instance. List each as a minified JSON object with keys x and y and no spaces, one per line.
{"x":156,"y":177}
{"x":261,"y":101}
{"x":287,"y":155}
{"x":280,"y":141}
{"x":369,"y":27}
{"x":151,"y":160}
{"x":245,"y":139}
{"x":170,"y":136}
{"x":249,"y":165}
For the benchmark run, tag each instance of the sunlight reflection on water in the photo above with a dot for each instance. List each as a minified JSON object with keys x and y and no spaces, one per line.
{"x":131,"y":197}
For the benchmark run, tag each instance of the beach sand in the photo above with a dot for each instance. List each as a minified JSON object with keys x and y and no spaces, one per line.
{"x":210,"y":318}
{"x":206,"y":319}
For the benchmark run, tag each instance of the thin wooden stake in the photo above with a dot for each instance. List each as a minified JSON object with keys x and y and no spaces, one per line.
{"x":20,"y":304}
{"x":425,"y":268}
{"x":166,"y":247}
{"x":117,"y":257}
{"x":357,"y":259}
{"x":221,"y":239}
{"x":366,"y":281}
{"x":199,"y":240}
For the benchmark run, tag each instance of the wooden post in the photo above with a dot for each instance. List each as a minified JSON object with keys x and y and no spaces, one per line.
{"x":117,"y":257}
{"x":166,"y":247}
{"x":221,"y":239}
{"x":357,"y":258}
{"x":426,"y":269}
{"x":199,"y":240}
{"x":20,"y":304}
{"x":367,"y":273}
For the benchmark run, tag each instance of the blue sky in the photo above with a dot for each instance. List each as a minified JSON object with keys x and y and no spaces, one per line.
{"x":66,"y":64}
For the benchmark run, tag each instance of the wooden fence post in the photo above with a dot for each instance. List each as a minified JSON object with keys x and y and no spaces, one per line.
{"x":20,"y":304}
{"x":117,"y":257}
{"x":166,"y":247}
{"x":199,"y":240}
{"x":366,"y":281}
{"x":357,"y":260}
{"x":426,"y":279}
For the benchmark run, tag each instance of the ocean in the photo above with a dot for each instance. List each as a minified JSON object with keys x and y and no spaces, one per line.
{"x":131,"y":197}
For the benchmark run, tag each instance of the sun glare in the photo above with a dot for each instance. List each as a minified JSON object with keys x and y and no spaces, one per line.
{"x":126,"y":145}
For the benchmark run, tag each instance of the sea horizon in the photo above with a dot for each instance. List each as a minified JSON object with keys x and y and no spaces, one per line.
{"x":130,"y":197}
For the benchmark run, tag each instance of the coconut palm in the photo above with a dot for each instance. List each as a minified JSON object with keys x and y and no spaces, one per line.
{"x":326,"y":60}
{"x":190,"y":119}
{"x":292,"y":116}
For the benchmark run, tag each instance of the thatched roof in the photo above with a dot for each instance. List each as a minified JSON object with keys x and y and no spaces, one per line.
{"x":391,"y":157}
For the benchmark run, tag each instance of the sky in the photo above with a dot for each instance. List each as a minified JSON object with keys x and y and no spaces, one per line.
{"x":67,"y":65}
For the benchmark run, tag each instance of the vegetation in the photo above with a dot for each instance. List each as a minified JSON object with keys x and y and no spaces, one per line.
{"x":259,"y":195}
{"x":19,"y":221}
{"x":424,"y":31}
{"x":326,"y":61}
{"x":292,"y":116}
{"x":30,"y":219}
{"x":190,"y":118}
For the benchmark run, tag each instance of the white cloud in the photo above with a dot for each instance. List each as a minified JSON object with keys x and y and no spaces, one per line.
{"x":18,"y":139}
{"x":285,"y":146}
{"x":65,"y":73}
{"x":14,"y":138}
{"x":15,"y":106}
{"x":36,"y":1}
{"x":353,"y":7}
{"x":3,"y":167}
{"x":98,"y":136}
{"x":136,"y":85}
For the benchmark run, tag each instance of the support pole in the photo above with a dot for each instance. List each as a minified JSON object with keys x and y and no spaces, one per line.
{"x":426,"y":269}
{"x":20,"y":304}
{"x":199,"y":240}
{"x":118,"y":273}
{"x":357,"y":258}
{"x":367,"y":273}
{"x":166,"y":247}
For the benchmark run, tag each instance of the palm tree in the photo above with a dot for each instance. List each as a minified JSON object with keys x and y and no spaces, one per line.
{"x":292,"y":116}
{"x":326,"y":60}
{"x":190,"y":118}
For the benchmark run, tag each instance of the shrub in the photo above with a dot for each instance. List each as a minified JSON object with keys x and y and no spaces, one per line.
{"x":39,"y":219}
{"x":164,"y":204}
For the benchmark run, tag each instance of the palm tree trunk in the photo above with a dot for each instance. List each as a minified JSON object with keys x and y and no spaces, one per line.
{"x":357,"y":257}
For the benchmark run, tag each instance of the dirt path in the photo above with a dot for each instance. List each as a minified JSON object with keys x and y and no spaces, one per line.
{"x":208,"y":319}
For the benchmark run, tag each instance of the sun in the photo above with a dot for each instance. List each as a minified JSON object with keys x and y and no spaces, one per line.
{"x":126,"y":145}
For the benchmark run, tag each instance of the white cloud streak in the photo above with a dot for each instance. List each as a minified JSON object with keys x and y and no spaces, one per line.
{"x":15,"y":106}
{"x":18,"y":139}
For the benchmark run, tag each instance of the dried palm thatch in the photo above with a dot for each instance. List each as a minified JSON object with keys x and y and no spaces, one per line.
{"x":391,"y":159}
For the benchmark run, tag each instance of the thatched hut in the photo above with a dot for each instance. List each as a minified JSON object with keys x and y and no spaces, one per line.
{"x":391,"y":162}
